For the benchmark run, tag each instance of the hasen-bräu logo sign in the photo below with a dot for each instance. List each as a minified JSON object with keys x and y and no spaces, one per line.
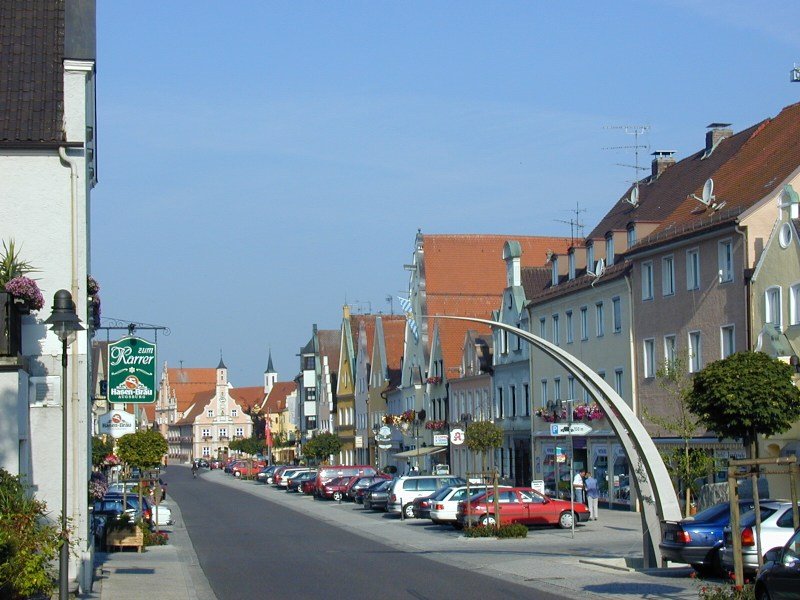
{"x":131,"y":371}
{"x":117,"y":423}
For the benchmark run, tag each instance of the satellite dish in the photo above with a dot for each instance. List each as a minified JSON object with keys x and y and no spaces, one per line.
{"x":633,"y":200}
{"x":599,"y":269}
{"x":708,"y":193}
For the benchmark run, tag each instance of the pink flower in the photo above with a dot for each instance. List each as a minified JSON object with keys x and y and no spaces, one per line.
{"x":26,"y":289}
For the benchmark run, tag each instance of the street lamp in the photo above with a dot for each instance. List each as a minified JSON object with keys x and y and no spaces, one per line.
{"x":64,"y":322}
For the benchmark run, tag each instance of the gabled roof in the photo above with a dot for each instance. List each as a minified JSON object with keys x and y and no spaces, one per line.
{"x":369,"y":330}
{"x":535,"y":280}
{"x":276,"y":401}
{"x":248,"y":397}
{"x":659,"y":198}
{"x":31,"y":73}
{"x":187,"y":383}
{"x":195,"y":407}
{"x":394,"y":328}
{"x":328,"y":340}
{"x":465,"y":276}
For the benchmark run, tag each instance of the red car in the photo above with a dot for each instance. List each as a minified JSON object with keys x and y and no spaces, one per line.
{"x":277,"y":475}
{"x":248,"y":468}
{"x":307,"y":487}
{"x":328,"y":473}
{"x":336,"y":488}
{"x":520,"y":505}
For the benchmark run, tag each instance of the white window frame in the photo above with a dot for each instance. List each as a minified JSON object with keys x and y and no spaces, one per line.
{"x":610,"y":249}
{"x":727,"y":340}
{"x":668,"y":275}
{"x":670,"y":350}
{"x":554,"y":261}
{"x":206,"y":451}
{"x":590,"y":255}
{"x":649,"y":357}
{"x":584,"y":323}
{"x":557,"y":388}
{"x":205,"y":432}
{"x":693,"y":269}
{"x":543,"y":328}
{"x":773,"y":313}
{"x":631,"y":236}
{"x":600,"y":318}
{"x":570,"y":387}
{"x":210,"y":414}
{"x":695,"y":351}
{"x":725,"y":260}
{"x":570,"y":328}
{"x":794,"y":304}
{"x":556,"y":332}
{"x":647,"y":280}
{"x":616,"y":309}
{"x":234,"y":412}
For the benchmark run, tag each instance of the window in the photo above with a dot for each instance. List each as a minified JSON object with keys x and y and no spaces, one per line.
{"x":210,"y":414}
{"x":794,"y":304}
{"x":586,"y":396}
{"x":503,"y":341}
{"x":570,"y":333}
{"x":500,"y":402}
{"x":584,"y":324}
{"x":616,"y":304}
{"x":544,"y":391}
{"x":649,"y":358}
{"x":647,"y":280}
{"x":527,"y":392}
{"x":772,"y":299}
{"x":693,"y":269}
{"x":223,"y":433}
{"x":609,"y":250}
{"x":513,"y":399}
{"x":570,"y":388}
{"x":590,"y":256}
{"x":234,"y":412}
{"x":695,"y":362}
{"x":557,"y":388}
{"x":668,"y":276}
{"x":542,"y":328}
{"x":669,"y":350}
{"x":727,"y":340}
{"x":517,"y":339}
{"x":725,"y":261}
{"x":556,"y":334}
{"x":554,"y":260}
{"x":631,"y":236}
{"x":206,"y":433}
{"x":618,"y":381}
{"x":600,"y":314}
{"x":572,"y":265}
{"x":240,"y":432}
{"x":206,"y":451}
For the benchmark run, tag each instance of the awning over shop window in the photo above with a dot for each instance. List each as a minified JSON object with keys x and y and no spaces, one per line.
{"x":419,"y":452}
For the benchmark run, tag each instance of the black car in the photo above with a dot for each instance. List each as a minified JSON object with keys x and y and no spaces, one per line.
{"x":697,"y":540}
{"x":779,"y":578}
{"x":355,"y":491}
{"x":293,"y":484}
{"x":377,"y":496}
{"x":422,"y":506}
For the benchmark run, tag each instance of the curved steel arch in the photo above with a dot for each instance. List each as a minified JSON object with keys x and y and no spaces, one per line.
{"x":650,"y":476}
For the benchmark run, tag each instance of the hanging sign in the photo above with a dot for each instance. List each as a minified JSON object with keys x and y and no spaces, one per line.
{"x":456,"y":436}
{"x":131,"y":371}
{"x":117,"y":423}
{"x":440,"y":440}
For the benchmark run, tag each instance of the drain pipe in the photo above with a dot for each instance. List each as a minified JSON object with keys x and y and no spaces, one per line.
{"x":73,"y":178}
{"x":747,"y":299}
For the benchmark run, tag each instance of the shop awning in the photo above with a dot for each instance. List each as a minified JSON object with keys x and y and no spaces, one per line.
{"x":421,"y":451}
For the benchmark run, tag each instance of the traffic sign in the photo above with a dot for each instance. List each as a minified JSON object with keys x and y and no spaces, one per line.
{"x":557,"y":429}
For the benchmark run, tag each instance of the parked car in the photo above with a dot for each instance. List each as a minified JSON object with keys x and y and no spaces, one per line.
{"x":247,"y":468}
{"x":336,"y":488}
{"x":277,"y":474}
{"x":405,"y":489}
{"x":120,"y":487}
{"x":146,"y":510}
{"x":308,"y":486}
{"x":287,"y":474}
{"x":777,"y":527}
{"x":358,"y":484}
{"x":265,"y":474}
{"x":779,"y":578}
{"x":294,"y":482}
{"x":444,"y":507}
{"x":215,"y":464}
{"x":327,"y":473}
{"x":421,"y":506}
{"x":377,"y":496}
{"x":697,"y":540}
{"x":520,"y":505}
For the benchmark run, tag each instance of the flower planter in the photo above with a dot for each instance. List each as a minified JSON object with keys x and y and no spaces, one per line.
{"x":128,"y":537}
{"x":10,"y":326}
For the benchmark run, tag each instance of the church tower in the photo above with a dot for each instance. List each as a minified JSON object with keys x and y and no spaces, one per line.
{"x":270,"y":376}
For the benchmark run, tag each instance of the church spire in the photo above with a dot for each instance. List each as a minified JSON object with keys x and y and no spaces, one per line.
{"x":270,"y":375}
{"x":270,"y":368}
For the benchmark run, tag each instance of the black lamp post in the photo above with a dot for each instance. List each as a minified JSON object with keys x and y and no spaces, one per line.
{"x":64,"y":322}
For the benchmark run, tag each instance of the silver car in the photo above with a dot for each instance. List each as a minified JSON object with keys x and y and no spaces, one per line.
{"x":777,"y":526}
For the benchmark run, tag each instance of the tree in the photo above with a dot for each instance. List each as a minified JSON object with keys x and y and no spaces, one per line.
{"x":247,"y":446}
{"x":101,"y":449}
{"x":322,"y":446}
{"x":144,"y":449}
{"x":746,"y":395}
{"x":482,"y":436}
{"x":685,"y":463}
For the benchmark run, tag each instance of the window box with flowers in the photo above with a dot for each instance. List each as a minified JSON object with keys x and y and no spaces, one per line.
{"x":551,"y":416}
{"x":19,"y":295}
{"x":434,"y":380}
{"x":436,"y":425}
{"x":587,"y":412}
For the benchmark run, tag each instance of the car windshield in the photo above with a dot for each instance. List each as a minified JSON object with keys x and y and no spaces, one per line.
{"x":442,"y":493}
{"x":712,"y":513}
{"x":749,"y":518}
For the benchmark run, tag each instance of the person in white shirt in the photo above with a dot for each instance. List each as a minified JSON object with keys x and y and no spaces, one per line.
{"x":577,"y":486}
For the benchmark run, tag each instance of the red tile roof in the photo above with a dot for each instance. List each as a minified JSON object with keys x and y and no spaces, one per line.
{"x":187,"y":383}
{"x":248,"y":397}
{"x":276,"y":401}
{"x":197,"y":403}
{"x":465,"y":276}
{"x":394,"y":331}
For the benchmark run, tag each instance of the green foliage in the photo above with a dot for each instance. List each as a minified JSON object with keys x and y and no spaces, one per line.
{"x":322,"y":446}
{"x":28,"y":547}
{"x":152,"y":538}
{"x":248,"y":446}
{"x":101,"y":449}
{"x":144,"y":449}
{"x":482,"y":436}
{"x":11,"y":265}
{"x":727,"y":592}
{"x":512,"y":530}
{"x":744,"y":395}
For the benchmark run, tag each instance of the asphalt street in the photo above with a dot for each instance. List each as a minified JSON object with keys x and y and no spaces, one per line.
{"x":250,"y":547}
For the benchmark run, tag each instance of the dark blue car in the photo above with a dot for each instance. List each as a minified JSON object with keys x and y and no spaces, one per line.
{"x":697,"y":540}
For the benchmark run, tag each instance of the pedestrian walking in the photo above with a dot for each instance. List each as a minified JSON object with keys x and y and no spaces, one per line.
{"x":592,"y":495}
{"x":577,"y":486}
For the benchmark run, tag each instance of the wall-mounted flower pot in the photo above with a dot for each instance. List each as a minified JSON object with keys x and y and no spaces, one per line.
{"x":10,"y":326}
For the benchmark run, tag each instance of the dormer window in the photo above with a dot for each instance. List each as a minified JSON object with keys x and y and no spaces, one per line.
{"x":590,"y":256}
{"x":610,"y":249}
{"x":631,"y":235}
{"x":555,"y":270}
{"x":571,"y":265}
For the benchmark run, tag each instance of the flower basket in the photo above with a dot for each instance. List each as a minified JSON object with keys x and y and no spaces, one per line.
{"x":434,"y":380}
{"x":408,"y":416}
{"x":26,"y":293}
{"x":436,"y":425}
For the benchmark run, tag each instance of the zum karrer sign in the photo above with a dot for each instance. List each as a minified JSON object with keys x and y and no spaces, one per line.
{"x":131,"y":371}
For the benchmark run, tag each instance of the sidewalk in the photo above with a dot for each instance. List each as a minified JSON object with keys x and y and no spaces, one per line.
{"x":173,"y":572}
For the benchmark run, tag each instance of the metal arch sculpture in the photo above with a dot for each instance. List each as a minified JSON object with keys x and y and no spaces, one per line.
{"x":652,"y":481}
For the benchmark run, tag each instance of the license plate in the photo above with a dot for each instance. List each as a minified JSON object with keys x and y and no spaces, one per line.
{"x":669,"y":536}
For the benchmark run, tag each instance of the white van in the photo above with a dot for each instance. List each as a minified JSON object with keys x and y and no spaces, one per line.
{"x":406,"y":489}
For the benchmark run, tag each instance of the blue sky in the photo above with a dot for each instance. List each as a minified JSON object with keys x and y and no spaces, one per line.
{"x":262,"y":163}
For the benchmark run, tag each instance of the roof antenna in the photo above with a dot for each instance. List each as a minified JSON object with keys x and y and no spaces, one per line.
{"x":575,"y":225}
{"x":635,"y":131}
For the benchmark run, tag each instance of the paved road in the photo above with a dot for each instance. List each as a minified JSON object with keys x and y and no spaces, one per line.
{"x":251,"y":548}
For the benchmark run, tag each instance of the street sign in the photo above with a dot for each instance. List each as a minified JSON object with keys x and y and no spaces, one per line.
{"x":131,"y":371}
{"x":456,"y":436}
{"x":117,"y":423}
{"x":557,"y":429}
{"x":440,"y":439}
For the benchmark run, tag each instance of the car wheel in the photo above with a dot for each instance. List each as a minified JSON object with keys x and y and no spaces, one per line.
{"x":337,"y":496}
{"x":408,"y":511}
{"x":565,"y":520}
{"x":488,"y":521}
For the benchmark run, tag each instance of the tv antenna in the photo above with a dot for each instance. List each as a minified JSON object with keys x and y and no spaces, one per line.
{"x":575,"y":224}
{"x":708,"y":198}
{"x":636,"y":131}
{"x":390,"y":300}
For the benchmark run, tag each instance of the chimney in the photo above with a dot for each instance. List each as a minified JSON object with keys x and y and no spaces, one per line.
{"x":512,"y":251}
{"x":662,"y":160}
{"x":717,"y":132}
